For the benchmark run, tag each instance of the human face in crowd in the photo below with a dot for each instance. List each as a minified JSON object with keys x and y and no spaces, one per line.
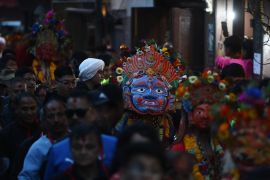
{"x":65,"y":84}
{"x":106,"y":72}
{"x":27,"y":110}
{"x":2,"y":47}
{"x":143,"y":167}
{"x":138,"y":138}
{"x":41,"y":95}
{"x":11,"y":65}
{"x":30,"y":80}
{"x":79,"y":110}
{"x":97,"y":78}
{"x":182,"y":166}
{"x":17,"y":88}
{"x":111,"y":111}
{"x":56,"y":118}
{"x":200,"y":117}
{"x":85,"y":150}
{"x":109,"y":115}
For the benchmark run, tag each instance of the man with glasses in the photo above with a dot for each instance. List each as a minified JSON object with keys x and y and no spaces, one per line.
{"x":65,"y":80}
{"x":79,"y":108}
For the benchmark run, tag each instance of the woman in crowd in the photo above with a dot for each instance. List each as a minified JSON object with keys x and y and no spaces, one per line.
{"x":233,"y":54}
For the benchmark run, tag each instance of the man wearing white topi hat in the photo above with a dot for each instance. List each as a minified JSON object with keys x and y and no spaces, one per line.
{"x":91,"y":72}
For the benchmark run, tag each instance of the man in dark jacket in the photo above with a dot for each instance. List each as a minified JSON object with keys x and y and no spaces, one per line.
{"x":24,"y":126}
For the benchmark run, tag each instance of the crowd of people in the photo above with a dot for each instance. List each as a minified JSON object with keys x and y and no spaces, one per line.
{"x":142,"y":116}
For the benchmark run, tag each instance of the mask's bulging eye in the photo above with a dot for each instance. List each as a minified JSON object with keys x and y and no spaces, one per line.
{"x":159,"y":91}
{"x":141,"y":90}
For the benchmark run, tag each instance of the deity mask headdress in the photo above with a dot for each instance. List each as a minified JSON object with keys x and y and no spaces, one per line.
{"x":245,"y":128}
{"x":207,"y":88}
{"x":149,"y":77}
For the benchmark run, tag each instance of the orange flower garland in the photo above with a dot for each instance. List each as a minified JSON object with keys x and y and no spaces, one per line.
{"x":39,"y":71}
{"x":192,"y":147}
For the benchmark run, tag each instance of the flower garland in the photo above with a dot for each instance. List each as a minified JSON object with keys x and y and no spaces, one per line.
{"x":242,"y":124}
{"x":40,"y":68}
{"x":207,"y":88}
{"x":201,"y":170}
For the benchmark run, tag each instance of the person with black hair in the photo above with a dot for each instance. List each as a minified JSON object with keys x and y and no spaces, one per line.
{"x":41,"y":93}
{"x":26,"y":125}
{"x":233,"y":55}
{"x":86,"y":150}
{"x":142,"y":161}
{"x":76,"y":59}
{"x":234,"y":71}
{"x":79,"y":108}
{"x":65,"y":80}
{"x":108,"y":102}
{"x":107,"y":60}
{"x":248,"y":51}
{"x":233,"y":46}
{"x":180,"y":165}
{"x":8,"y":62}
{"x":8,"y":52}
{"x":138,"y":133}
{"x":8,"y":66}
{"x":29,"y":76}
{"x":56,"y":128}
{"x":17,"y":86}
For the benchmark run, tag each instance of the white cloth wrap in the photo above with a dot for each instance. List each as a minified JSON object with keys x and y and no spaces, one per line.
{"x":89,"y":68}
{"x":2,"y":41}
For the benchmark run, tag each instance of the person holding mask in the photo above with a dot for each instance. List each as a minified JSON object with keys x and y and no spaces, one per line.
{"x":194,"y":135}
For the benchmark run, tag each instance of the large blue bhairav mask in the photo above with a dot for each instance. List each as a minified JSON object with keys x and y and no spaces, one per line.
{"x":148,"y":95}
{"x":148,"y":82}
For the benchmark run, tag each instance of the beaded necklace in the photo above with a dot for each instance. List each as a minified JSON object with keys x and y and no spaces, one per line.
{"x":204,"y":169}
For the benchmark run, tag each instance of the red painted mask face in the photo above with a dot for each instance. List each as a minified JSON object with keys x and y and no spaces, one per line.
{"x":200,"y":117}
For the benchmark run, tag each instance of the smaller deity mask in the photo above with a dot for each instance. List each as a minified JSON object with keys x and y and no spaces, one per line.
{"x":200,"y":117}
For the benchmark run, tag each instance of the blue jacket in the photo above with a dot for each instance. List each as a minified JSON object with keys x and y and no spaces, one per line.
{"x":60,"y":157}
{"x":35,"y":158}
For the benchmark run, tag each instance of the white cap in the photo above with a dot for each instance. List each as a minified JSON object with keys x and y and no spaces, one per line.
{"x":2,"y":41}
{"x":89,"y":68}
